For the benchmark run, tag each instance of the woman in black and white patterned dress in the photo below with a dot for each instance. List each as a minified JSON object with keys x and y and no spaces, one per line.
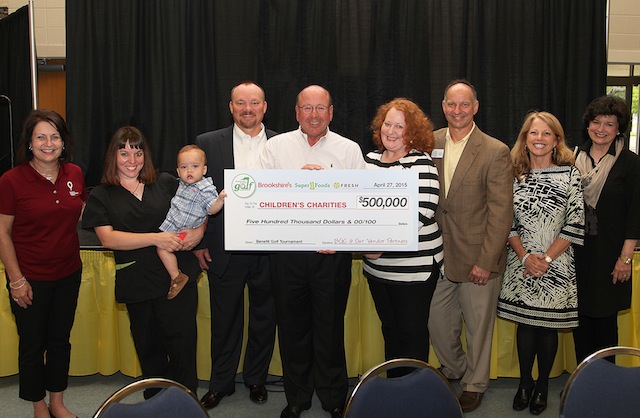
{"x":539,"y":286}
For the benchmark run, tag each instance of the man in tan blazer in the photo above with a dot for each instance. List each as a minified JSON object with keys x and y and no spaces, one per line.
{"x":475,"y":214}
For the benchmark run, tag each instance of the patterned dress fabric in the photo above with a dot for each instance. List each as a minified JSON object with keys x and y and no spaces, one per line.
{"x":546,"y":205}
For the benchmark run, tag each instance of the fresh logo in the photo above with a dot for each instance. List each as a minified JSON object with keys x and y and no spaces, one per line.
{"x":243,"y":185}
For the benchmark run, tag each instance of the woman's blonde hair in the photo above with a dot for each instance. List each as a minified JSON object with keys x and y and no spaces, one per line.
{"x":562,"y":155}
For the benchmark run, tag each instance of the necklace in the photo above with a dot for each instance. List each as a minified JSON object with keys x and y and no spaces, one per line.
{"x":135,"y":191}
{"x":47,"y":176}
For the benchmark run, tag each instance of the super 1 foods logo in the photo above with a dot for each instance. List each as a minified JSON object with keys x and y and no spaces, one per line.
{"x":243,"y":185}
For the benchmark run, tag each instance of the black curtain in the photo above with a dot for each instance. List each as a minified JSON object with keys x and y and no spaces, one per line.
{"x":15,"y":81}
{"x":168,"y":66}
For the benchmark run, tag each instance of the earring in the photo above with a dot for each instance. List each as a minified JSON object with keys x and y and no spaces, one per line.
{"x":63,"y":148}
{"x":30,"y":149}
{"x":553,"y":153}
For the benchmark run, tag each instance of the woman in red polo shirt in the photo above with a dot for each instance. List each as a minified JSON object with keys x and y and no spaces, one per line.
{"x":42,"y":199}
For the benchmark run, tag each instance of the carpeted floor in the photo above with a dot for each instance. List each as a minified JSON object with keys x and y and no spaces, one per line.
{"x":86,"y":394}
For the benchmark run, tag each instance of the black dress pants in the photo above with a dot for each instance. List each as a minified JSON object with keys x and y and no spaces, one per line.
{"x":593,"y":334}
{"x":310,"y":292}
{"x":227,"y":322}
{"x":403,"y":309}
{"x":165,"y":336}
{"x":44,"y":329}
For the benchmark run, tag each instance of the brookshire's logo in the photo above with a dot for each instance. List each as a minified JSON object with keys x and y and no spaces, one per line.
{"x":243,"y":185}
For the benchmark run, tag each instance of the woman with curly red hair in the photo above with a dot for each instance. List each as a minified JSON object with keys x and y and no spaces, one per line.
{"x":402,"y":283}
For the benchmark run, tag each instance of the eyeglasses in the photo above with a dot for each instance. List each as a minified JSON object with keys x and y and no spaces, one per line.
{"x":308,"y":109}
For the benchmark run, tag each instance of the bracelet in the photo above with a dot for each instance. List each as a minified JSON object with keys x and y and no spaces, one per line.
{"x":625,"y":259}
{"x":525,"y":258}
{"x":23,"y":281}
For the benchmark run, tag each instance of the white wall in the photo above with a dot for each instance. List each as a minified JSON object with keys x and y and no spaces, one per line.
{"x":49,"y":22}
{"x":624,"y":31}
{"x":624,"y":28}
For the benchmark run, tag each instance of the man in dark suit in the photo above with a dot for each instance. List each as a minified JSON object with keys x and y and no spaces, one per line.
{"x":237,"y":146}
{"x":475,"y":213}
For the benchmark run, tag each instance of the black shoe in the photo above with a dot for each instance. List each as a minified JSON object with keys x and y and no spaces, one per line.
{"x":336,"y":413}
{"x":211,"y":399}
{"x":293,"y":411}
{"x":258,"y":393}
{"x":538,"y":403}
{"x":522,"y":398}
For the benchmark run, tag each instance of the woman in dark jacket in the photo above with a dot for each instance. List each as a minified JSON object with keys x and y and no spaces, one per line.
{"x":611,"y":181}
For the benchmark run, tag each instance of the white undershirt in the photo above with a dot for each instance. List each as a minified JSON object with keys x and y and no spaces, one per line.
{"x":247,"y":149}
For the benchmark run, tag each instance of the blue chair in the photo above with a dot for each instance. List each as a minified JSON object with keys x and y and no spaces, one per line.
{"x":424,"y":392}
{"x":174,"y":400}
{"x":599,"y":388}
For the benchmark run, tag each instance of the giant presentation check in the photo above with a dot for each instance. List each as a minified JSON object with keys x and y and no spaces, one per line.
{"x":306,"y":210}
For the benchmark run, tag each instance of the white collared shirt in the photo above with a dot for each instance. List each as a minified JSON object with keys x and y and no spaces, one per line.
{"x":247,"y":149}
{"x":291,"y":150}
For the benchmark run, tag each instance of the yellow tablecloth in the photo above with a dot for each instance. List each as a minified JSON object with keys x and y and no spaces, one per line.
{"x":101,"y":341}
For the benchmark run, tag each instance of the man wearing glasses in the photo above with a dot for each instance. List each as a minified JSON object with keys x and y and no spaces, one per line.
{"x":311,"y":288}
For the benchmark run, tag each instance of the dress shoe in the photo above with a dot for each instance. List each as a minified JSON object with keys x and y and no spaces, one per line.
{"x":211,"y":399}
{"x":258,"y":393}
{"x":538,"y":403}
{"x":469,"y":401}
{"x":336,"y":413}
{"x":293,"y":411}
{"x":522,"y":398}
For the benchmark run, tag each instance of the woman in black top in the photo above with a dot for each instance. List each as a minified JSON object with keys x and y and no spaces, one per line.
{"x":126,"y":211}
{"x":610,"y":178}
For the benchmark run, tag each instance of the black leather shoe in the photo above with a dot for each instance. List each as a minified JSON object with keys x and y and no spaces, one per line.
{"x":522,"y":398}
{"x":336,"y":413}
{"x":258,"y":393}
{"x":538,"y":403}
{"x":211,"y":399}
{"x":293,"y":411}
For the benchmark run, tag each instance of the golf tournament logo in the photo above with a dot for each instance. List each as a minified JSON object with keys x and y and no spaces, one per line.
{"x":243,"y":185}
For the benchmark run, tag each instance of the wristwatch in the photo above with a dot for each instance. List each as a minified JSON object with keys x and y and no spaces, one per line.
{"x":547,"y":258}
